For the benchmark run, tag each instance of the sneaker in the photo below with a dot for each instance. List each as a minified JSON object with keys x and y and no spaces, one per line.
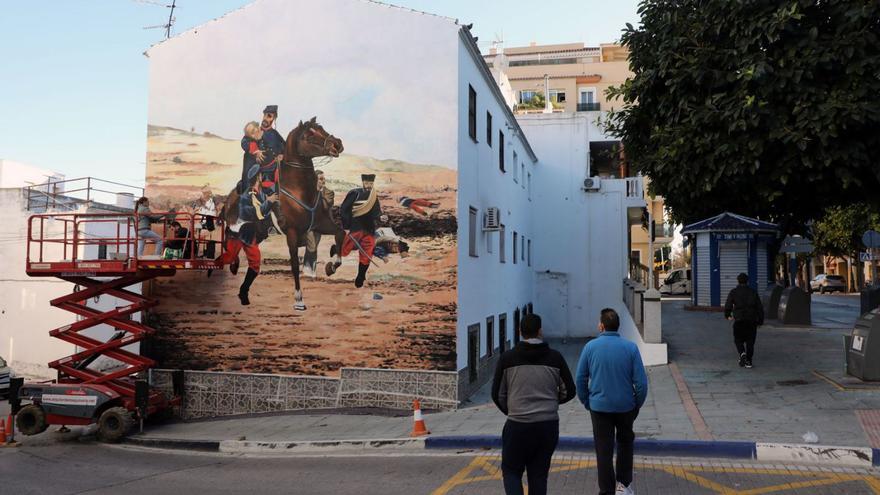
{"x":742,"y":360}
{"x":748,"y":364}
{"x":624,"y":490}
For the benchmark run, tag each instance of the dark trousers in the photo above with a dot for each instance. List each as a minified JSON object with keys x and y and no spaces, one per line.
{"x":527,"y":447}
{"x":607,"y":426}
{"x":744,"y":333}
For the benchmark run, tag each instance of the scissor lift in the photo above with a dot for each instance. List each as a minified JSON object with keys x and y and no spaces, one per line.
{"x":101,"y":264}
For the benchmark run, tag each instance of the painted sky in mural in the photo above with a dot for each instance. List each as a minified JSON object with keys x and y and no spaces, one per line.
{"x":380,"y":78}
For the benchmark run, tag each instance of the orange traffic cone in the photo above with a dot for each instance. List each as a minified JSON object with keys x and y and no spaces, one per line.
{"x":419,"y":428}
{"x":2,"y":431}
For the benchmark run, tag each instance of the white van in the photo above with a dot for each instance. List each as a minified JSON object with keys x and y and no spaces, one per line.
{"x":677,"y":282}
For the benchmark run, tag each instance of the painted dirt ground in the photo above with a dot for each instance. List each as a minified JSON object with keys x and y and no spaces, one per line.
{"x":404,"y":317}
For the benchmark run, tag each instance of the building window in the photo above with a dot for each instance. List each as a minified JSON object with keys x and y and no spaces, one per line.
{"x":514,"y":247}
{"x":529,"y":186}
{"x":490,"y":335}
{"x":514,"y":160}
{"x":501,"y":150}
{"x":526,"y":96}
{"x":522,"y":172}
{"x":472,"y":113}
{"x":502,"y":256}
{"x":557,"y":95}
{"x":522,"y":248}
{"x":530,"y":252}
{"x":515,"y":172}
{"x":473,"y":351}
{"x":489,"y":129}
{"x":515,"y":326}
{"x":502,"y":332}
{"x":472,"y":231}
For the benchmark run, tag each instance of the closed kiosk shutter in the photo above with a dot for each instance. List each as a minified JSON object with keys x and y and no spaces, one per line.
{"x":734,"y":260}
{"x":762,"y":268}
{"x":703,"y":276}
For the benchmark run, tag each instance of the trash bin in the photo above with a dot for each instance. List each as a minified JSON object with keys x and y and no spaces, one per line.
{"x":771,"y":301}
{"x":794,"y":307}
{"x":863,"y":354}
{"x":870,"y":298}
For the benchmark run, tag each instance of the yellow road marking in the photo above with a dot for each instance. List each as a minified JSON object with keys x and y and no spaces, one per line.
{"x":487,"y":468}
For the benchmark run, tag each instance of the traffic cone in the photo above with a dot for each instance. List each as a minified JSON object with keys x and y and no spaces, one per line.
{"x":419,"y":428}
{"x":10,"y":434}
{"x":2,"y":431}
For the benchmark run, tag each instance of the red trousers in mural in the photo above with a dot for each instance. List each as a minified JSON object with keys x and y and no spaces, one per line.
{"x":367,"y":243}
{"x":251,"y":251}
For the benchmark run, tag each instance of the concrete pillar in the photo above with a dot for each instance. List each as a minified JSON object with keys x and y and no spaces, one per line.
{"x":652,"y":325}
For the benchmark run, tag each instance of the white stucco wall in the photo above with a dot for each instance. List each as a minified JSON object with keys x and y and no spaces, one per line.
{"x":560,"y":206}
{"x":487,"y":287}
{"x":25,"y":314}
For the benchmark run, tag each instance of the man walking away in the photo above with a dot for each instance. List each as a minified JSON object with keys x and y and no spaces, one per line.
{"x":612,"y":385}
{"x":531,"y":380}
{"x":744,"y":307}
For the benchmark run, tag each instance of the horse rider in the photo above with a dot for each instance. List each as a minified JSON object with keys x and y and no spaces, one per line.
{"x":359,"y":211}
{"x":253,"y":207}
{"x":328,"y":197}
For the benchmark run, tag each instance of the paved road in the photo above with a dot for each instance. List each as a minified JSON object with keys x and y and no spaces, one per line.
{"x":101,"y":469}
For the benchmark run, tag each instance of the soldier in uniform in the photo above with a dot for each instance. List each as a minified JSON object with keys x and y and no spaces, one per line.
{"x":359,"y":211}
{"x":313,"y":238}
{"x":253,"y":206}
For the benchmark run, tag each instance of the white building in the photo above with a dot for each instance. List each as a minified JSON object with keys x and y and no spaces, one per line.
{"x":26,"y":316}
{"x":496,"y":169}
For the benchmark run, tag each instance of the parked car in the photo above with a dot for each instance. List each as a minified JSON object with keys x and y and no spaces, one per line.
{"x":677,"y":282}
{"x":827,"y":283}
{"x":5,"y":374}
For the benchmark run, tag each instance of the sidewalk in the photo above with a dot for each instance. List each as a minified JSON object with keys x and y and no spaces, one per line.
{"x":701,"y":395}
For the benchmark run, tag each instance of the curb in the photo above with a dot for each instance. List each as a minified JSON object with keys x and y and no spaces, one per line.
{"x":862,"y":457}
{"x":174,"y":444}
{"x":668,"y":448}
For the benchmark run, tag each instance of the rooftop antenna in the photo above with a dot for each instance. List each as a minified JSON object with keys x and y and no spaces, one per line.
{"x":168,"y":25}
{"x":499,"y":40}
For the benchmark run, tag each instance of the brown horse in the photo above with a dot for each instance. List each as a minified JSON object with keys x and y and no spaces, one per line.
{"x":298,"y":196}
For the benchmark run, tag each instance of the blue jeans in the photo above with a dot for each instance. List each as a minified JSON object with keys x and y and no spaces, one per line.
{"x":145,"y":234}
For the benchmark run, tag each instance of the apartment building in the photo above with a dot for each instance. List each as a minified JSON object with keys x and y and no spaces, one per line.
{"x":576,"y":78}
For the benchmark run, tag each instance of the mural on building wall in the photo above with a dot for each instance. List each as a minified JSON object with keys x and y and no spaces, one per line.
{"x":332,"y":166}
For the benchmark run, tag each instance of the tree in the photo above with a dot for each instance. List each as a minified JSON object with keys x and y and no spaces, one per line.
{"x":839,"y":232}
{"x":766,"y":108}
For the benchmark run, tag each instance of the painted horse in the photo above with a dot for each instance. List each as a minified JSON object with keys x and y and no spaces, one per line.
{"x":300,"y":204}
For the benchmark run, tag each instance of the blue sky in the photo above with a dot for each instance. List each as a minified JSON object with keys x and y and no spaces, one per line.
{"x":73,"y":82}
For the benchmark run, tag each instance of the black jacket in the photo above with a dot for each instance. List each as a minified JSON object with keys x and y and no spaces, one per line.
{"x":745,"y":305}
{"x":364,"y":223}
{"x":530,"y":382}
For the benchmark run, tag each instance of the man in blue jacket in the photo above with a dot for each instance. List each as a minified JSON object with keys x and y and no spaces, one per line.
{"x":612,"y":384}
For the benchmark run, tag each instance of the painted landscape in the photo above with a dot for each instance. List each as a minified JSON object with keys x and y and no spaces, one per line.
{"x":404,"y":317}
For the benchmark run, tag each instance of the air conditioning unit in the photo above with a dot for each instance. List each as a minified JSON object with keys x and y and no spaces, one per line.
{"x":492,"y":219}
{"x":592,"y":184}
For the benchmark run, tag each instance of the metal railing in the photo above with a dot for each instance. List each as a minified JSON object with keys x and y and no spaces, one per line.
{"x":588,"y":107}
{"x":71,"y":194}
{"x":75,"y":232}
{"x":635,"y":187}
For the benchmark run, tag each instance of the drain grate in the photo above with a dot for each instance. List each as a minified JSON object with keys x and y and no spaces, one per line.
{"x":792,"y":383}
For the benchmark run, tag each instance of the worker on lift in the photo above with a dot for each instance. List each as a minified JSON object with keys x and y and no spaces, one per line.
{"x":253,"y":206}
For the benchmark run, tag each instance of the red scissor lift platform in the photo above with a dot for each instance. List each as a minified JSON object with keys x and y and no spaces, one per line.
{"x":98,"y":253}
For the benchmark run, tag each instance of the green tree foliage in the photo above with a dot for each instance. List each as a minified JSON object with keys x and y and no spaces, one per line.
{"x":839,"y":232}
{"x":767,"y":108}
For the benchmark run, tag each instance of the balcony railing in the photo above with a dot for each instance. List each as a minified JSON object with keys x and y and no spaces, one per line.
{"x":588,"y":107}
{"x":664,"y":229}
